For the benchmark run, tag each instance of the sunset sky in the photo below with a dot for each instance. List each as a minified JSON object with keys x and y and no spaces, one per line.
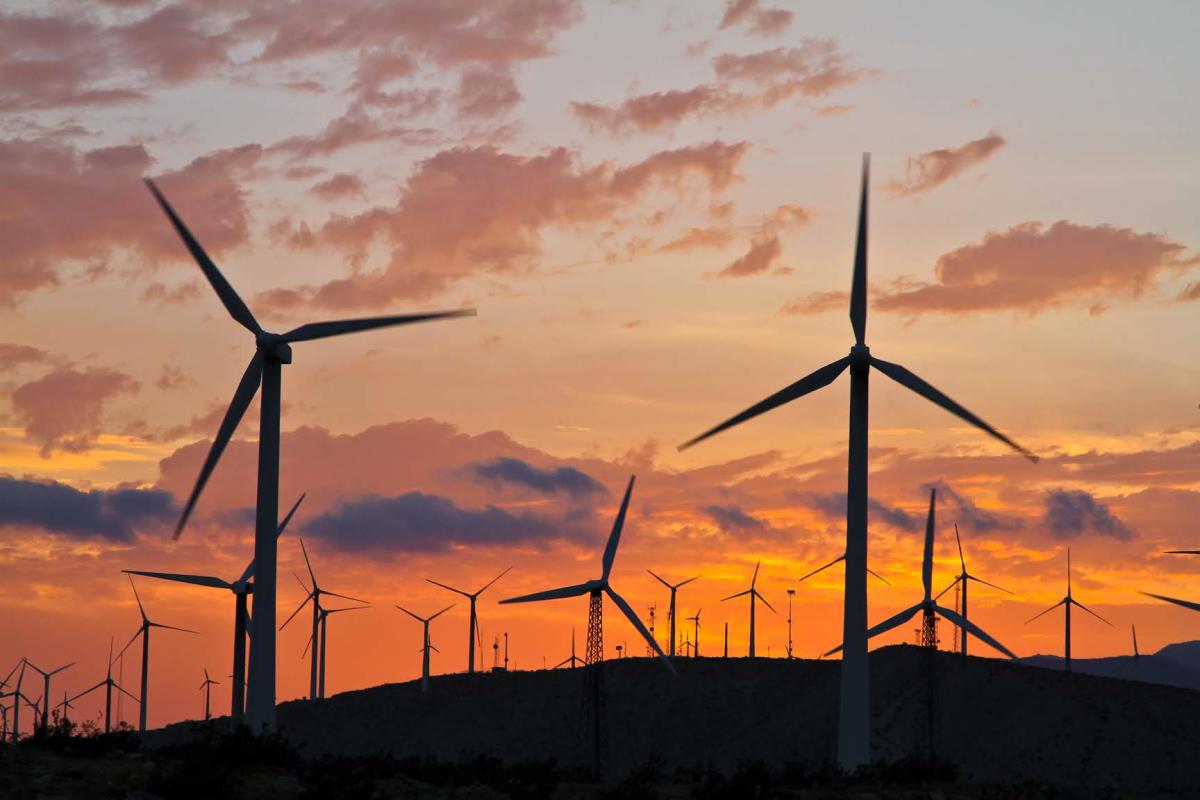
{"x":652,"y":207}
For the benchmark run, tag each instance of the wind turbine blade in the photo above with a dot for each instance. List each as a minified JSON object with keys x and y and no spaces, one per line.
{"x":986,"y":583}
{"x":411,"y":614}
{"x":958,"y":539}
{"x":614,"y":538}
{"x":1182,"y":552}
{"x":858,"y":289}
{"x":754,"y":577}
{"x":249,"y":573}
{"x":660,"y":579}
{"x":885,"y":626}
{"x":1176,"y":601}
{"x":117,"y":686}
{"x":927,"y":561}
{"x":322,"y":330}
{"x":328,"y":611}
{"x":307,"y":644}
{"x":297,"y":611}
{"x":132,"y":639}
{"x":233,"y":304}
{"x":911,"y":381}
{"x":242,"y":398}
{"x":1047,"y":611}
{"x":60,"y":669}
{"x":739,"y":594}
{"x":953,"y":583}
{"x":345,"y":597}
{"x":972,"y":628}
{"x":300,"y":581}
{"x":173,"y":628}
{"x":308,"y":564}
{"x":1093,"y":613}
{"x":685,"y":583}
{"x":842,"y":557}
{"x":493,"y":580}
{"x":637,"y":623}
{"x":87,"y":691}
{"x":443,"y":611}
{"x":809,"y":383}
{"x":451,"y":588}
{"x":137,"y":597}
{"x":199,"y":580}
{"x":878,"y":576}
{"x":554,"y":594}
{"x":764,"y":600}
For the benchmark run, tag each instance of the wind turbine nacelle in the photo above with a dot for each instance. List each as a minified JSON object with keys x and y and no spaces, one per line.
{"x":274,"y":347}
{"x":860,"y":357}
{"x":242,"y":587}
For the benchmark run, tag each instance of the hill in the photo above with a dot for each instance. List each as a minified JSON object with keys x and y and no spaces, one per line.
{"x":997,"y":722}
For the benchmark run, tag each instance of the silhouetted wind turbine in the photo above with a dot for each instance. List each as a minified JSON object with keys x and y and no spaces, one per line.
{"x":46,"y":689}
{"x":1066,"y":603}
{"x":838,"y":560}
{"x":314,"y":594}
{"x":109,"y":684}
{"x":854,"y":731}
{"x":272,"y":351}
{"x":206,"y":687}
{"x":573,"y":659}
{"x":1184,"y":603}
{"x":963,"y":579}
{"x":324,"y":628}
{"x":696,"y":635}
{"x":66,"y":706}
{"x":595,"y":587}
{"x":928,"y":605}
{"x":144,"y":632}
{"x":674,"y":587}
{"x":428,"y":645}
{"x":241,"y":588}
{"x":754,"y":593}
{"x":16,"y":695}
{"x":473,"y":633}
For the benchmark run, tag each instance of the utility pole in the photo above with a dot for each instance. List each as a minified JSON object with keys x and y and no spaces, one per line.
{"x":791,"y":594}
{"x":653,"y":611}
{"x":726,"y":640}
{"x":506,"y":651}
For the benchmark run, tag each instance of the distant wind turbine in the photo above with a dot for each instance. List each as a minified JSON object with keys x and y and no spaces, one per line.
{"x":241,"y":588}
{"x":838,"y":560}
{"x":206,"y":687}
{"x":314,"y":595}
{"x":674,"y":587}
{"x":324,"y":637}
{"x":45,"y":724}
{"x":572,"y":660}
{"x":144,"y":632}
{"x":428,"y":645}
{"x":109,"y":684}
{"x":696,"y":635}
{"x":66,"y":706}
{"x":1066,"y":603}
{"x":964,"y":578}
{"x":754,"y":594}
{"x":272,"y":351}
{"x":597,"y":586}
{"x":16,"y":695}
{"x":928,"y":605}
{"x":854,"y":714}
{"x":473,"y":633}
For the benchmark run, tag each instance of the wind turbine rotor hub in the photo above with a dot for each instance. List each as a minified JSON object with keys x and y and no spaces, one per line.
{"x":272,"y":346}
{"x":860,"y":357}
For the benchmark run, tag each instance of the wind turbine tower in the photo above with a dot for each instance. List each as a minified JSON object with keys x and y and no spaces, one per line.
{"x":144,"y":632}
{"x":1066,"y":603}
{"x":754,"y":594}
{"x":427,"y":645}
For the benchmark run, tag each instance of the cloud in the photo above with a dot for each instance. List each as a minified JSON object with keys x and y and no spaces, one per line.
{"x":357,"y":126}
{"x":759,"y":258}
{"x":932,"y":169}
{"x":816,"y":303}
{"x":758,"y":20}
{"x":14,"y":355}
{"x":72,"y":205}
{"x":486,"y":92}
{"x":567,"y":480}
{"x":1031,"y":268}
{"x":1070,"y":513}
{"x":476,"y":210}
{"x":63,"y":410}
{"x":698,"y":238}
{"x":161,"y":294}
{"x":418,"y":522}
{"x":651,"y":112}
{"x":814,"y":69}
{"x":833,"y":505}
{"x":971,"y":516}
{"x":732,"y":519}
{"x":54,"y":507}
{"x":343,"y":184}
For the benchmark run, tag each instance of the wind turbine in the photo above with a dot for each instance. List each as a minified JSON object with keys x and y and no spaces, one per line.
{"x":1184,"y":603}
{"x":1066,"y":603}
{"x":272,"y":351}
{"x":16,"y":695}
{"x":241,"y":588}
{"x":696,"y":635}
{"x":428,"y":645}
{"x":314,"y":594}
{"x":596,"y":587}
{"x":674,"y":587}
{"x":144,"y":632}
{"x":928,"y":606}
{"x":473,"y":633}
{"x":573,"y":660}
{"x":964,"y":578}
{"x":854,"y":726}
{"x":109,"y":684}
{"x":66,"y":706}
{"x":325,"y":612}
{"x":206,"y":687}
{"x":754,"y":593}
{"x":46,"y":688}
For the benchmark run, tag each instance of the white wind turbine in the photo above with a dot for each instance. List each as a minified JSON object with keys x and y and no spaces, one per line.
{"x":265,"y":370}
{"x":928,"y":605}
{"x":854,"y":711}
{"x":242,"y":588}
{"x":428,"y":645}
{"x":1066,"y":603}
{"x":754,"y":594}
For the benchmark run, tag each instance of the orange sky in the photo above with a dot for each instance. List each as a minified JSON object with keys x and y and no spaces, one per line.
{"x":652,"y":208}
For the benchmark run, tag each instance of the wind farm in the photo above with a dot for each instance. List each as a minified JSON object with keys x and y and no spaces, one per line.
{"x":643,"y":219}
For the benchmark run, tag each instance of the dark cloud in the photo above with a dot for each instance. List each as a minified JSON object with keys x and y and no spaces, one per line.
{"x":1070,"y":513}
{"x":418,"y":522}
{"x":567,"y":480}
{"x":833,"y":504}
{"x":114,"y":515}
{"x":971,"y":516}
{"x":732,"y":519}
